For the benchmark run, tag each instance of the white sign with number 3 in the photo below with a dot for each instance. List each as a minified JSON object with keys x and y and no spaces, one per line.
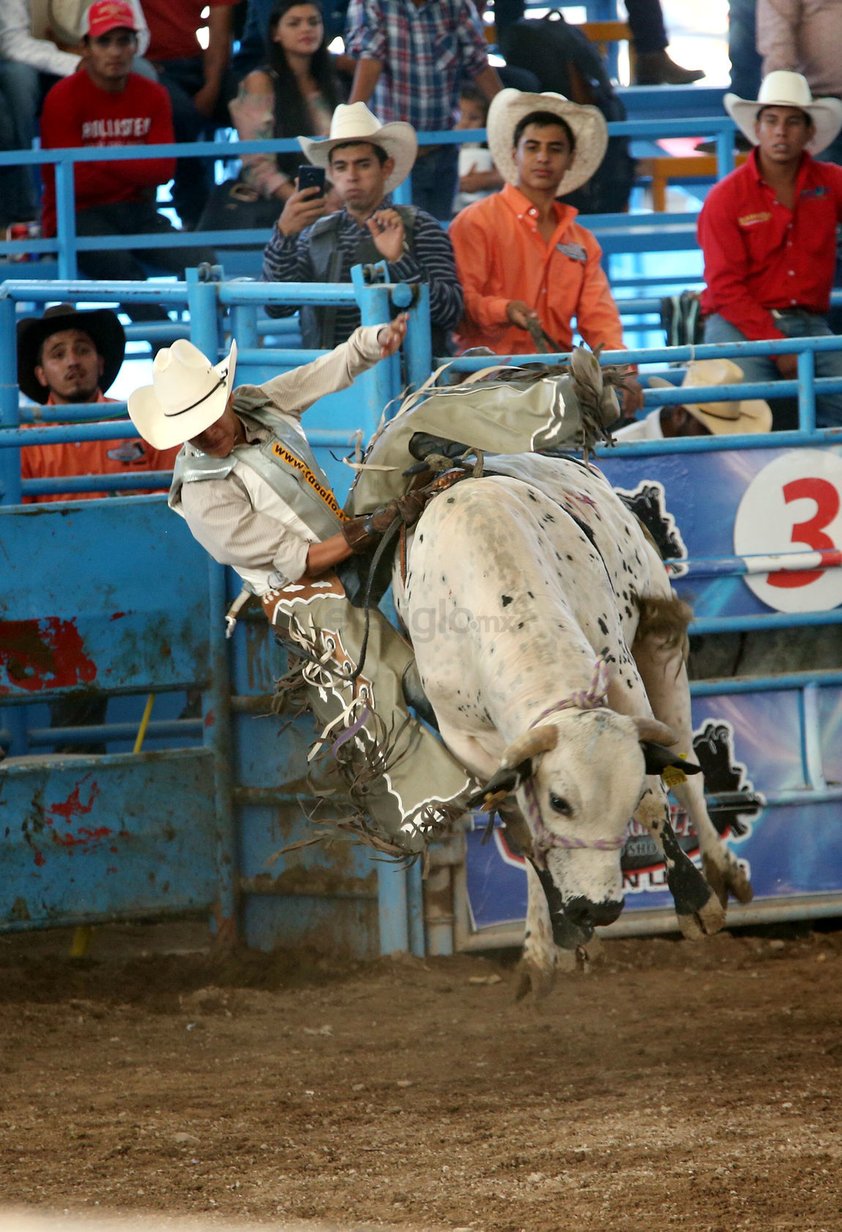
{"x":794,"y":506}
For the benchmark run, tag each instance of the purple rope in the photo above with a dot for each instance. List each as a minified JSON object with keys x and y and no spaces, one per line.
{"x":590,"y":698}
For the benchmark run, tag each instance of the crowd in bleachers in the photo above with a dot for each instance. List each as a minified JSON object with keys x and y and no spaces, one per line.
{"x":516,"y":266}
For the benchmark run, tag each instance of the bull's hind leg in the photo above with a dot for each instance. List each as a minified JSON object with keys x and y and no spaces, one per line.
{"x":659,"y":654}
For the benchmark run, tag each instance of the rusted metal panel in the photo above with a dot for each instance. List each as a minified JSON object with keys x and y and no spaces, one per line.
{"x":96,"y":594}
{"x":96,"y":838}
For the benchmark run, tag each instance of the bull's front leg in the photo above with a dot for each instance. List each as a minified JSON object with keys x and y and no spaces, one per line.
{"x":697,"y":905}
{"x":540,"y":956}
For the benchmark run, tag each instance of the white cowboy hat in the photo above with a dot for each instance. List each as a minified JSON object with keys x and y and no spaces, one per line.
{"x":354,"y":122}
{"x":721,"y":418}
{"x":509,"y":107}
{"x":785,"y":89}
{"x":188,"y":393}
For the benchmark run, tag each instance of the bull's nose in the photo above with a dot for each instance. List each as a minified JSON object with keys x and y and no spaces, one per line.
{"x":583,"y":912}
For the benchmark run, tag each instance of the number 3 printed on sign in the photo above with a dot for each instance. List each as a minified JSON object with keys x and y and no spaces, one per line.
{"x":811,"y":533}
{"x":793,"y":507}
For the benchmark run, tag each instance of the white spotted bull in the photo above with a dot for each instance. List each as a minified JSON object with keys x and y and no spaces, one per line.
{"x":551,"y":649}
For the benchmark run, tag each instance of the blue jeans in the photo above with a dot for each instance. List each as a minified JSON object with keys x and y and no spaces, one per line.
{"x":435,"y":178}
{"x":128,"y":265}
{"x":763,"y":367}
{"x":746,"y":63}
{"x":22,"y":91}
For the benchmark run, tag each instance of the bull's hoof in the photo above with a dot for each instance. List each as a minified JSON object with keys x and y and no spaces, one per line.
{"x":704,"y":922}
{"x":534,"y":981}
{"x":728,"y":879}
{"x":538,"y":978}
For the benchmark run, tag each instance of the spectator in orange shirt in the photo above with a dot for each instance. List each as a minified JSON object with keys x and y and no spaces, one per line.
{"x":67,"y":357}
{"x":526,"y":265}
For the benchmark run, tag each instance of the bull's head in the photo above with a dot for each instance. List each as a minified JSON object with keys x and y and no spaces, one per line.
{"x":578,"y":782}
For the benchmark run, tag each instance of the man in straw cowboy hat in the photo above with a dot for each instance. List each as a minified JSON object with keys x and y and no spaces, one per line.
{"x":526,"y":265}
{"x":701,"y":418}
{"x":67,"y":357}
{"x":366,"y":160}
{"x":254,"y":496}
{"x":768,"y":232}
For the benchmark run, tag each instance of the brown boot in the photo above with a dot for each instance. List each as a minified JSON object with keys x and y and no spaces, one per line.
{"x":655,"y":68}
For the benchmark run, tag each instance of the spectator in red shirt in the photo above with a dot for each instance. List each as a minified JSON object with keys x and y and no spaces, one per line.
{"x":199,"y":81}
{"x":768,"y":233}
{"x":66,"y":357}
{"x":106,"y":104}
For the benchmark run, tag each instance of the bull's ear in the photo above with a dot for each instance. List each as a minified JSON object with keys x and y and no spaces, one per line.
{"x":501,"y":784}
{"x":658,"y":758}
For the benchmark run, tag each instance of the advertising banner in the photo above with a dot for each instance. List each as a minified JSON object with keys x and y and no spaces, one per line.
{"x":749,"y":532}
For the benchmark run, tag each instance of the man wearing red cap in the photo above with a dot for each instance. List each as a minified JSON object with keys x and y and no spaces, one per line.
{"x":106,"y":104}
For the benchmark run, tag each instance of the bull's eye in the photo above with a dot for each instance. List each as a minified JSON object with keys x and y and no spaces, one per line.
{"x":560,"y":805}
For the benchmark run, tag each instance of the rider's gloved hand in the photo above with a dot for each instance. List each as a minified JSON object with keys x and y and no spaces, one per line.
{"x":364,"y":531}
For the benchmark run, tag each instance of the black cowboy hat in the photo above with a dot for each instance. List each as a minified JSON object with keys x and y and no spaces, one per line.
{"x":101,"y":324}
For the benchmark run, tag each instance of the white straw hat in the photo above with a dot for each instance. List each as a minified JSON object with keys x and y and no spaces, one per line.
{"x":354,"y":122}
{"x":721,"y":418}
{"x":188,"y":393}
{"x":509,"y":107}
{"x":786,"y":89}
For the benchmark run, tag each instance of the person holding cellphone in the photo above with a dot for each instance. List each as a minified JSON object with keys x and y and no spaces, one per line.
{"x":365,"y":161}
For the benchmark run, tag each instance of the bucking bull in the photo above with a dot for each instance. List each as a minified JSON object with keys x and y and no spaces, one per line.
{"x":552,"y":650}
{"x":557,"y":673}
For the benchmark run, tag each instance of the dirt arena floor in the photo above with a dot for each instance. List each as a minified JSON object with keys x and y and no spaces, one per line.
{"x":674,"y":1086}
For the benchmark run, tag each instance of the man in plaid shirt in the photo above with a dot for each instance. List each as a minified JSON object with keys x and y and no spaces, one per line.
{"x":412,"y":57}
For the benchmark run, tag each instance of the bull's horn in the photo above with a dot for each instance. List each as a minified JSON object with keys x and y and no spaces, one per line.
{"x":537,"y":740}
{"x":515,"y":766}
{"x":654,"y":730}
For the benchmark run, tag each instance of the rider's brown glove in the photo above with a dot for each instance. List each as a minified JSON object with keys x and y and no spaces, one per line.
{"x":364,"y":531}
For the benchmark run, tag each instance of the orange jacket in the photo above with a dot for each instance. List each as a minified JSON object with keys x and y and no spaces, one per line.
{"x":89,"y":458}
{"x":500,"y":256}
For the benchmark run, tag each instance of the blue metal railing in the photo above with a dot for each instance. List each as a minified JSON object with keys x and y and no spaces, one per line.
{"x":66,"y":246}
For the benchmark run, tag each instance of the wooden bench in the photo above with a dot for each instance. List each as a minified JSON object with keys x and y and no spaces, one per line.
{"x":664,"y":168}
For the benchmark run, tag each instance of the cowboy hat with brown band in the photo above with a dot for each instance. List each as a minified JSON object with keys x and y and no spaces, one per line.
{"x":101,"y":325}
{"x":721,"y":418}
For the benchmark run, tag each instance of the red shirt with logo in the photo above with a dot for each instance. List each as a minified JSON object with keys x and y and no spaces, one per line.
{"x":761,"y":255}
{"x":78,"y":113}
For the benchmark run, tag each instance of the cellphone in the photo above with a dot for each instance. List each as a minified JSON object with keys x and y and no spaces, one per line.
{"x":311,"y":177}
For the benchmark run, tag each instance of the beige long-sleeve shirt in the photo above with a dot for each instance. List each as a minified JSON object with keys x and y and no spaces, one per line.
{"x":239,"y":519}
{"x":804,"y":36}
